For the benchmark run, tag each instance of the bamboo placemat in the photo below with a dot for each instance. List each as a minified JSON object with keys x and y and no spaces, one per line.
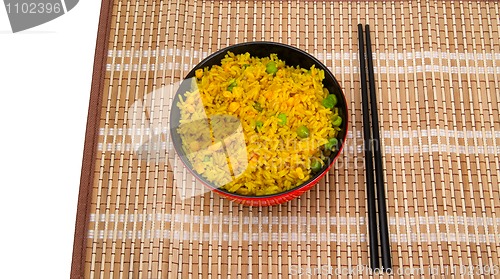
{"x":437,"y":70}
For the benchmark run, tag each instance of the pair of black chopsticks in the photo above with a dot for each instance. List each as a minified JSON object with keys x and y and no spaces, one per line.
{"x":372,"y":148}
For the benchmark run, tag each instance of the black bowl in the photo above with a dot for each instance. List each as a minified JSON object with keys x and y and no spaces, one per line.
{"x":292,"y":57}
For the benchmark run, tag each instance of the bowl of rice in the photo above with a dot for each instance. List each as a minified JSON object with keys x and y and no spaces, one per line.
{"x":259,"y":123}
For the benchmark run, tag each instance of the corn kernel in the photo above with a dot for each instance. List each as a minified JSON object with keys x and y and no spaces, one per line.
{"x":199,"y":73}
{"x":195,"y":146}
{"x":199,"y":168}
{"x":300,"y":173}
{"x":234,"y":106}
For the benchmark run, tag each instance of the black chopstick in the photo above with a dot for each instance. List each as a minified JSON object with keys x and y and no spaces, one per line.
{"x":379,"y":173}
{"x":370,"y":187}
{"x":372,"y":148}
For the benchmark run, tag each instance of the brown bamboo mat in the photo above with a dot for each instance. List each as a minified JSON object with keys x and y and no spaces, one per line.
{"x":437,"y":70}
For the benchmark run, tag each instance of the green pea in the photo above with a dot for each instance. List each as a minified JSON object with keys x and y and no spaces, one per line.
{"x":337,"y":121}
{"x":332,"y":144}
{"x":330,"y":101}
{"x":316,"y":165}
{"x":282,"y":117}
{"x":257,"y":106}
{"x":232,"y":85}
{"x":303,"y":132}
{"x":271,"y":67}
{"x":258,"y":125}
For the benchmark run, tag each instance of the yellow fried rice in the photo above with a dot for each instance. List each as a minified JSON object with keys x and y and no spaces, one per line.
{"x":243,"y":124}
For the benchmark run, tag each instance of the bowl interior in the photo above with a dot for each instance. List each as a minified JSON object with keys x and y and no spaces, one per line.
{"x":292,"y":57}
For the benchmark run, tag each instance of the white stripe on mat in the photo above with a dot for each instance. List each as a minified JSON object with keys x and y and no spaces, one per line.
{"x":347,"y":56}
{"x":430,"y":148}
{"x":461,"y":56}
{"x":346,"y":70}
{"x":422,"y":148}
{"x":468,"y":134}
{"x":293,"y":220}
{"x":292,"y":236}
{"x":418,"y":149}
